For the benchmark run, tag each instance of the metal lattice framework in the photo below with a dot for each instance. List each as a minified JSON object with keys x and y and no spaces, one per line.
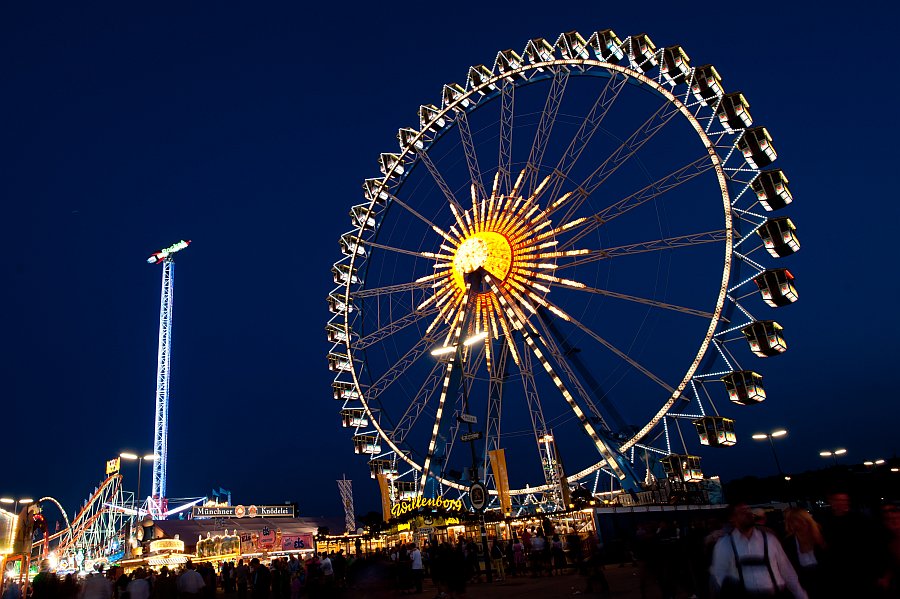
{"x":346,"y":489}
{"x":509,"y":248}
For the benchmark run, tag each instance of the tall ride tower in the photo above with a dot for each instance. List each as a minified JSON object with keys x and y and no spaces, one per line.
{"x":156,"y":503}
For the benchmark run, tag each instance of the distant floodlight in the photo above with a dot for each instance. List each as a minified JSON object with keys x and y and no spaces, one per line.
{"x":128,"y":456}
{"x":7,"y":500}
{"x":779,"y":433}
{"x":442,"y":351}
{"x":26,"y":500}
{"x":840,"y":451}
{"x":787,"y":478}
{"x":879,"y":462}
{"x":868,"y":463}
{"x":150,"y":457}
{"x":825,"y":454}
{"x":475,"y":338}
{"x":895,"y":469}
{"x":760,"y":436}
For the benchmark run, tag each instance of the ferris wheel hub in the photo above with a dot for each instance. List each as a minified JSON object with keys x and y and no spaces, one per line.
{"x":483,"y":249}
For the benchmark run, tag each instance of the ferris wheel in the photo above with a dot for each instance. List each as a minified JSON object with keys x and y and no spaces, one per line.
{"x":566,"y":259}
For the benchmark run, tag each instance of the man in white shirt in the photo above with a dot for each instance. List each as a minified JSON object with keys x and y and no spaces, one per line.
{"x":750,"y":559}
{"x":418,"y":569}
{"x":190,"y":582}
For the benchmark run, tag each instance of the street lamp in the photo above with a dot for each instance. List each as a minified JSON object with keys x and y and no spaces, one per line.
{"x":769,"y":436}
{"x":140,"y":459}
{"x":833,"y":454}
{"x":17,"y":502}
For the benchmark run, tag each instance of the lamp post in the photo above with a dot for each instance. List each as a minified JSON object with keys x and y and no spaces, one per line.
{"x":770,"y":436}
{"x":9,"y":500}
{"x":833,"y":454}
{"x":449,"y":349}
{"x":140,"y":459}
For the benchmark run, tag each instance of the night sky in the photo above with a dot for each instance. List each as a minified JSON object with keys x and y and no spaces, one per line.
{"x":250,"y":131}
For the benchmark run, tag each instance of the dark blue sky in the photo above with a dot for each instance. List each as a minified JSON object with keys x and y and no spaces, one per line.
{"x":250,"y":131}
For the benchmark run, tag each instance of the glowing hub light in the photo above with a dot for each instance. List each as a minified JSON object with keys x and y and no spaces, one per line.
{"x":486,"y":249}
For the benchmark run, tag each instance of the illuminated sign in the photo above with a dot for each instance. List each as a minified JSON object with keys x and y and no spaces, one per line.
{"x":439,"y":503}
{"x":113,"y":465}
{"x":161,"y":545}
{"x":239,"y":511}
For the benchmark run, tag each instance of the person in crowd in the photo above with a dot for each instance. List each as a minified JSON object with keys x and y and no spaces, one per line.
{"x":805,"y":547}
{"x":849,"y":562}
{"x":45,"y":585}
{"x":96,"y":586}
{"x":139,"y":587}
{"x":889,"y":562}
{"x":497,"y":555}
{"x":538,"y":545}
{"x":190,"y":582}
{"x":750,"y":560}
{"x":260,"y":580}
{"x":164,"y":586}
{"x":241,"y":575}
{"x":417,"y":567}
{"x":518,"y":565}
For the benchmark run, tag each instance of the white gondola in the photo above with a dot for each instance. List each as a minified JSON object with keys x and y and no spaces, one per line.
{"x":779,"y":236}
{"x":361,"y":216}
{"x":756,"y":146}
{"x":344,"y":391}
{"x":707,"y":85}
{"x":351,"y":245}
{"x":676,"y":65}
{"x":607,"y":46}
{"x":744,"y":387}
{"x":734,"y":112}
{"x":765,"y":338}
{"x":337,"y":305}
{"x":771,"y":189}
{"x":354,"y":418}
{"x":682,"y":467}
{"x":339,"y":362}
{"x":343,"y":274}
{"x":716,"y":431}
{"x":776,"y":285}
{"x":642,"y":52}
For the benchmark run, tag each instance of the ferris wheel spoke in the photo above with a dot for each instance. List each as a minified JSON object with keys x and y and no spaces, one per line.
{"x":469,"y":367}
{"x":401,"y":366}
{"x":498,"y":375}
{"x":389,"y":289}
{"x":654,"y":245}
{"x":545,"y":127}
{"x":417,"y":405}
{"x":465,"y":134}
{"x":507,"y":108}
{"x":563,"y":364}
{"x":586,"y":131}
{"x":392,"y":327}
{"x":390,"y":248}
{"x":456,"y":331}
{"x":640,"y":368}
{"x":620,"y":156}
{"x":648,"y":193}
{"x":641,"y":300}
{"x":438,"y":178}
{"x":518,"y":324}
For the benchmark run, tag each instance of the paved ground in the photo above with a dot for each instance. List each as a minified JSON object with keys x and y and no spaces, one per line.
{"x":624,"y":583}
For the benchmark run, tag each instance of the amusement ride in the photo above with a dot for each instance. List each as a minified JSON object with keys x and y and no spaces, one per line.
{"x":573,"y":260}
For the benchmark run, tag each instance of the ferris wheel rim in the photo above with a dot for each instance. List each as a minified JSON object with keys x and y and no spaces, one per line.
{"x":712,"y":155}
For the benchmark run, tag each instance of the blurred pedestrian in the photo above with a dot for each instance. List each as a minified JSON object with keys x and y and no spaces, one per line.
{"x":804,"y":546}
{"x":750,"y":561}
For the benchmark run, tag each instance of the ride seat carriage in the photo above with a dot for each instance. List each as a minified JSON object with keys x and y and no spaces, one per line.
{"x":776,"y":286}
{"x":676,"y":66}
{"x":381,"y":466}
{"x":366,"y":443}
{"x":336,"y":333}
{"x":756,"y":146}
{"x":779,"y":236}
{"x":607,"y":45}
{"x":643,"y":52}
{"x":744,"y":387}
{"x":765,"y":338}
{"x":734,"y":112}
{"x":406,"y":489}
{"x":353,"y":417}
{"x":339,"y":362}
{"x":682,"y":467}
{"x":344,"y":391}
{"x":771,"y":189}
{"x":716,"y":431}
{"x":707,"y":84}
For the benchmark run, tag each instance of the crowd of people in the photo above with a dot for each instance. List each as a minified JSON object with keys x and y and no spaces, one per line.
{"x":844,"y":553}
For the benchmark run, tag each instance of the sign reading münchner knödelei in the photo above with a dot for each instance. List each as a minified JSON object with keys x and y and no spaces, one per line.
{"x":238,"y":511}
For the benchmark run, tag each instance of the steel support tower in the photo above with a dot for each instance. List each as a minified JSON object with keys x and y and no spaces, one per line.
{"x":157,"y":500}
{"x":346,"y":488}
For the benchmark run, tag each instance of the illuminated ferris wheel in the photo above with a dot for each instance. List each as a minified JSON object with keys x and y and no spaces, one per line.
{"x":565,"y":260}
